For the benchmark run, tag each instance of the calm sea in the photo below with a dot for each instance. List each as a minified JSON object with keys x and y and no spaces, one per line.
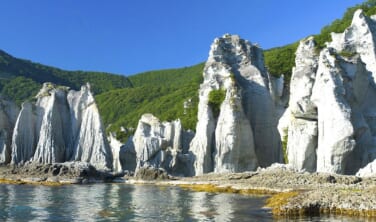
{"x":121,"y":202}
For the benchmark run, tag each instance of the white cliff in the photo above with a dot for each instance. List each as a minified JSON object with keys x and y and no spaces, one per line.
{"x":24,"y":138}
{"x":61,"y":126}
{"x":8,"y":117}
{"x":127,"y":156}
{"x":359,"y":38}
{"x":245,"y":127}
{"x":89,"y":136}
{"x":335,"y":137}
{"x":232,"y":137}
{"x":54,"y":131}
{"x":332,"y":125}
{"x":115,"y":149}
{"x":159,"y":145}
{"x":302,"y":113}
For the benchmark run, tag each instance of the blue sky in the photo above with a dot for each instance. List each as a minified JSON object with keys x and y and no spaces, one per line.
{"x":131,"y":36}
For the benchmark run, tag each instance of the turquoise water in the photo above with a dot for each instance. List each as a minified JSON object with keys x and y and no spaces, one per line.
{"x":121,"y":202}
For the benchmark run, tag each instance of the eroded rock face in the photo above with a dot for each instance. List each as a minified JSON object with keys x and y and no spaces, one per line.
{"x":302,"y":112}
{"x":90,"y":141}
{"x":61,"y":126}
{"x":159,"y":145}
{"x":8,"y":117}
{"x":246,"y":126}
{"x":232,"y":137}
{"x":332,"y":115}
{"x":115,"y":148}
{"x":359,"y":38}
{"x":127,"y":156}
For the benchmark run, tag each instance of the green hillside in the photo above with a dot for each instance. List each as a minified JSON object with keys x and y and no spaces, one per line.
{"x":170,"y":77}
{"x":21,"y":79}
{"x":161,"y":93}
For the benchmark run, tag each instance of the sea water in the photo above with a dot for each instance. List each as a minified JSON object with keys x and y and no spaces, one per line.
{"x":122,"y":202}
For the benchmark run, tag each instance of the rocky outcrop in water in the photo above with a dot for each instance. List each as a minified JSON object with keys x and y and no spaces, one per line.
{"x":158,"y":145}
{"x":240,"y":132}
{"x":61,"y":126}
{"x":8,"y":117}
{"x":332,"y":124}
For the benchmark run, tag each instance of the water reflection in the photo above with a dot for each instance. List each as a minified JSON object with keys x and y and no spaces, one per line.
{"x":120,"y":202}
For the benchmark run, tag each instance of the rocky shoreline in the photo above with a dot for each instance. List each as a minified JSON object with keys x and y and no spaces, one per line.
{"x":292,"y":193}
{"x":55,"y":174}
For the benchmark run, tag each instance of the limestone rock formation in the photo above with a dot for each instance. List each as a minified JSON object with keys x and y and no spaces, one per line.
{"x":90,"y":141}
{"x":24,"y":139}
{"x":358,"y":38}
{"x":302,"y":128}
{"x":332,"y":125}
{"x":127,"y":156}
{"x":160,"y":145}
{"x":61,"y":126}
{"x":115,"y":148}
{"x":245,"y":127}
{"x":233,"y":135}
{"x":8,"y":117}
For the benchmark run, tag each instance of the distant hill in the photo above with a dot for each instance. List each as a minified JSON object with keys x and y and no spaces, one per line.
{"x":21,"y":79}
{"x":161,"y":93}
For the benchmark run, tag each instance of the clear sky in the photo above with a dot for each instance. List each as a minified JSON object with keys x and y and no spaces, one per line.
{"x":131,"y":36}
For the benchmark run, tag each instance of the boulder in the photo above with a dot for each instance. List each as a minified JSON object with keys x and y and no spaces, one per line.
{"x":151,"y":173}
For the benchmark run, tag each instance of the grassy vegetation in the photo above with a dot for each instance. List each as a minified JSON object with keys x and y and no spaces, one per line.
{"x":284,"y":147}
{"x":160,"y":93}
{"x":169,"y":77}
{"x":20,"y":89}
{"x":347,"y":54}
{"x":278,"y":201}
{"x":281,"y":60}
{"x":216,"y":98}
{"x":31,"y":75}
